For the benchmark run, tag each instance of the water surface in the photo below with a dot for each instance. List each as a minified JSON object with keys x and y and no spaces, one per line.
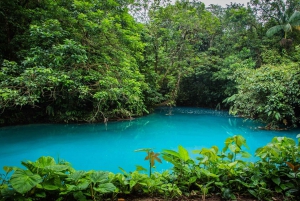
{"x":109,"y":146}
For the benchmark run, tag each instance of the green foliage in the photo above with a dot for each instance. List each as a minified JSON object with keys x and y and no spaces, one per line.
{"x":269,"y":94}
{"x":45,"y":178}
{"x":234,"y":144}
{"x":80,"y":63}
{"x":173,"y":38}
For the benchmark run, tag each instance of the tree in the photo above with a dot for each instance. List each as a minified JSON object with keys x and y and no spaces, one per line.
{"x":293,"y":21}
{"x":174,"y":37}
{"x":79,"y":63}
{"x":269,"y":94}
{"x":279,"y":15}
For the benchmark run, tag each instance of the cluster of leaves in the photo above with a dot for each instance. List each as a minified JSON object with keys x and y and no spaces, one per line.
{"x":79,"y":64}
{"x":46,"y":179}
{"x":226,"y":173}
{"x":270,"y":93}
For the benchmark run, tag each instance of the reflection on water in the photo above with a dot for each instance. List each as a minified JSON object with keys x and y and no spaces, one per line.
{"x":109,"y":146}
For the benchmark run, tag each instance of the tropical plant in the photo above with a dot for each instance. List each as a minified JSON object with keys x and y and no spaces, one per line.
{"x":62,"y":72}
{"x":268,"y":94}
{"x":151,"y":157}
{"x":278,"y":163}
{"x":45,"y":178}
{"x":234,"y":144}
{"x":286,"y":26}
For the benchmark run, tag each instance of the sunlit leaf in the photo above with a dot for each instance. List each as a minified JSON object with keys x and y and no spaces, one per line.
{"x":232,"y":164}
{"x":246,"y":154}
{"x":183,"y":153}
{"x":215,"y":148}
{"x":45,"y":161}
{"x":208,"y":173}
{"x":171,"y":152}
{"x":234,"y":148}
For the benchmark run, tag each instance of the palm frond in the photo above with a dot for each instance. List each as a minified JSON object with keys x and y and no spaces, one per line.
{"x":295,"y":18}
{"x":274,"y":30}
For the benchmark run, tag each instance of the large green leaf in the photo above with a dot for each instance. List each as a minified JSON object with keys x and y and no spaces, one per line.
{"x":99,"y":177}
{"x":246,"y":154}
{"x":39,"y":164}
{"x":76,"y":176}
{"x":171,"y":152}
{"x":295,"y":19}
{"x":169,"y":158}
{"x":234,"y":148}
{"x":105,"y":188}
{"x":78,"y":187}
{"x":24,"y":180}
{"x":241,"y":141}
{"x":82,"y":186}
{"x":45,"y":161}
{"x":274,"y":30}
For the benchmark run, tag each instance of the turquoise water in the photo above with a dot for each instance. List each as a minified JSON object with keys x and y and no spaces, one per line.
{"x":107,"y":147}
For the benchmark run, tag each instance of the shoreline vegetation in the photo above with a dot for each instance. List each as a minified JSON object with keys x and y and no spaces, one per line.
{"x":93,"y":61}
{"x":214,"y":175}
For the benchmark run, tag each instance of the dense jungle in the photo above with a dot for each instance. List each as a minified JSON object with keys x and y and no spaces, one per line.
{"x":95,"y":61}
{"x":70,"y":61}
